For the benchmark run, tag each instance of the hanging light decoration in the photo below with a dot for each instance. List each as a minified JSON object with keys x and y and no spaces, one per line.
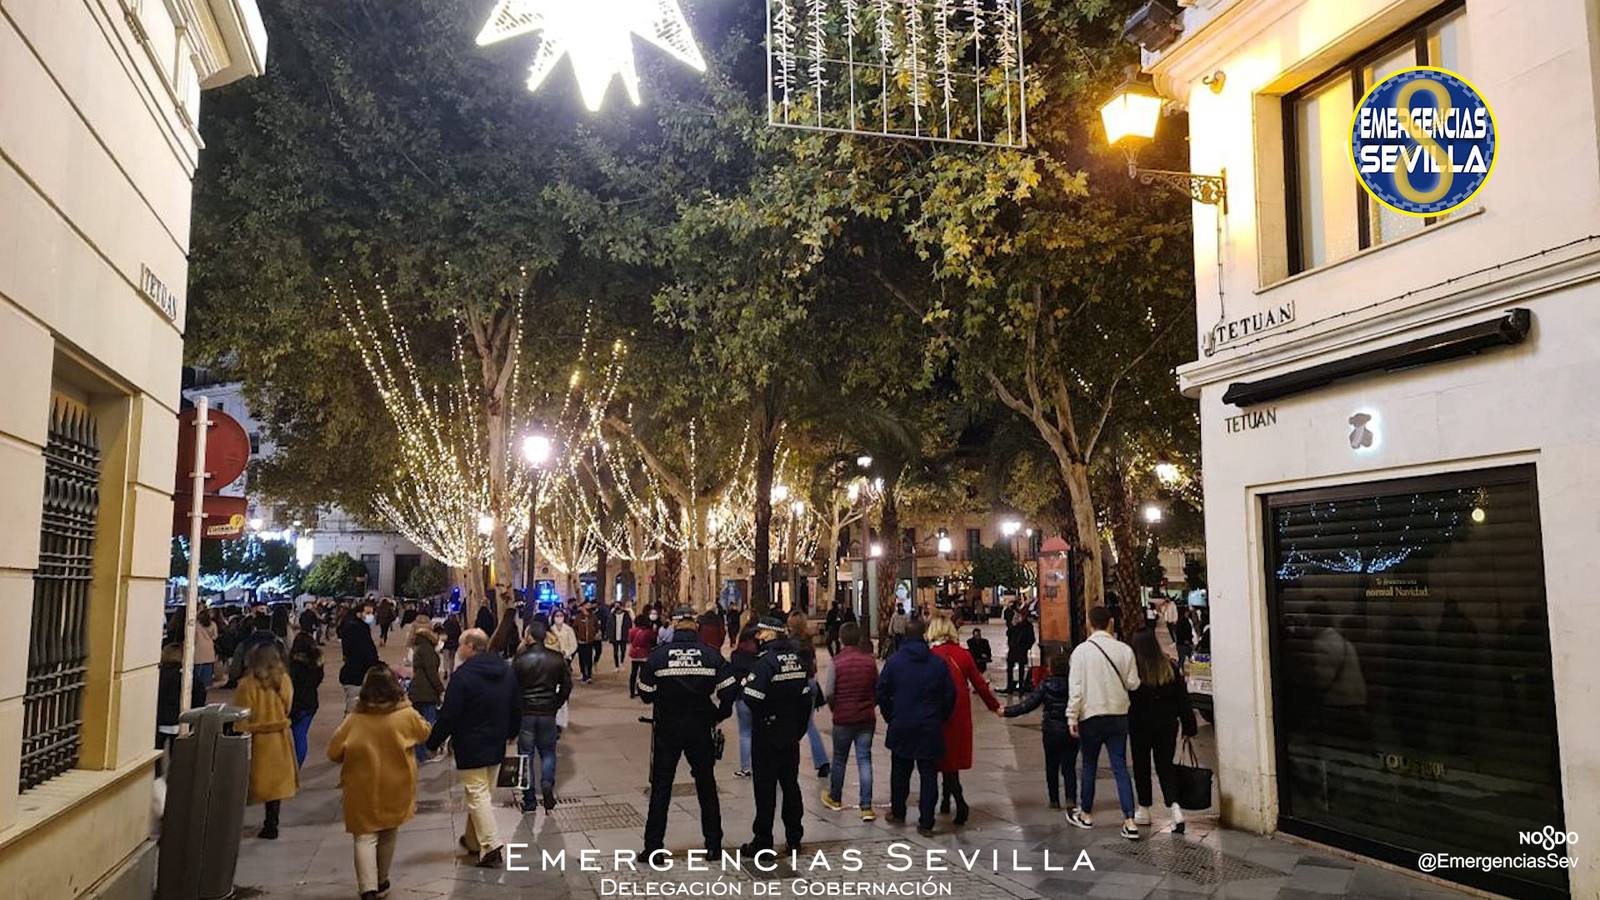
{"x":597,"y":36}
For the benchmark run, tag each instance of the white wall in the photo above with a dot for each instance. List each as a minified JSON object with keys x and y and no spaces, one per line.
{"x":1535,"y":61}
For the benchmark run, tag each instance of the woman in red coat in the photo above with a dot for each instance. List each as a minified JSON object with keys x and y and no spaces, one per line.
{"x":641,"y":640}
{"x":946,"y":641}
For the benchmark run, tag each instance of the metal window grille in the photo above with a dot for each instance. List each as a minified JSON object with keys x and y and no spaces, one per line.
{"x":58,"y":645}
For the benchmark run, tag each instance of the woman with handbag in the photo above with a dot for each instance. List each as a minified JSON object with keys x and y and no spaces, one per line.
{"x":1159,"y":707}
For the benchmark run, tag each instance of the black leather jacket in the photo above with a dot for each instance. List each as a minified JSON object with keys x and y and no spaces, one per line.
{"x":1052,"y":695}
{"x":543,"y":679}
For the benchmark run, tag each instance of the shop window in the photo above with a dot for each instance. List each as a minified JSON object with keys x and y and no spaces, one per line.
{"x":370,"y":562}
{"x":1411,"y":669}
{"x":1330,"y":216}
{"x":58,"y":640}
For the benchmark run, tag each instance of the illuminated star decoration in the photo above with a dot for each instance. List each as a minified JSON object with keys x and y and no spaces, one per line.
{"x":596,"y":35}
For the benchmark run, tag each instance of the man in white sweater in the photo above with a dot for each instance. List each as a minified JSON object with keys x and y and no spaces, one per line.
{"x":1103,"y":675}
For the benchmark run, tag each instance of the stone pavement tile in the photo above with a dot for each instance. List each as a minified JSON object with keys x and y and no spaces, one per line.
{"x":1139,"y":878}
{"x":1253,"y":889}
{"x":1379,"y":884}
{"x":1317,"y":879}
{"x":1177,"y":884}
{"x":1282,"y":859}
{"x":1120,"y":891}
{"x":1064,"y":887}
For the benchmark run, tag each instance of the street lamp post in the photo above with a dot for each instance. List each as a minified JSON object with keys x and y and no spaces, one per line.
{"x":536,"y":449}
{"x":1131,"y":115}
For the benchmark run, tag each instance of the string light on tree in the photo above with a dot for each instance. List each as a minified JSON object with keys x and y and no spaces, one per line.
{"x":597,"y":36}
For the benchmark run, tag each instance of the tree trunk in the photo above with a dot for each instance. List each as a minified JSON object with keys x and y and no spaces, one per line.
{"x":889,"y":562}
{"x":498,"y":505}
{"x":829,"y":548}
{"x":698,"y":592}
{"x":766,"y":433}
{"x":1086,"y":535}
{"x":1119,"y":511}
{"x":669,"y":573}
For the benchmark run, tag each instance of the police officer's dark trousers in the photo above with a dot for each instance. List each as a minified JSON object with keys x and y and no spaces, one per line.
{"x":773,"y":766}
{"x":694,"y":743}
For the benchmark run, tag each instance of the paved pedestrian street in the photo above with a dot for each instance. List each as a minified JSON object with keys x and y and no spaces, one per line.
{"x":602,"y":788}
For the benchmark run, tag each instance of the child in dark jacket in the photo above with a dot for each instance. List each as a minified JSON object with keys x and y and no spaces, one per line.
{"x":1060,"y":747}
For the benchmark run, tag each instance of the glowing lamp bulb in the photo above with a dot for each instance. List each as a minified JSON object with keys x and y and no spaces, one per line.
{"x":485,"y":525}
{"x":875,"y":550}
{"x":1131,"y":112}
{"x":1153,"y":514}
{"x":945,"y":544}
{"x":536,"y":449}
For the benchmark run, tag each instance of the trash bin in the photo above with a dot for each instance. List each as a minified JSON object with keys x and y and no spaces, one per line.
{"x":207,"y":780}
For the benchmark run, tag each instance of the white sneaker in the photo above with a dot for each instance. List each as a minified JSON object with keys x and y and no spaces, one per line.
{"x":1177,"y":819}
{"x":1141,"y":816}
{"x":1078,"y":819}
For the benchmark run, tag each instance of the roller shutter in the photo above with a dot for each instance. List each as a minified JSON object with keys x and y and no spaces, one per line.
{"x":1411,"y":669}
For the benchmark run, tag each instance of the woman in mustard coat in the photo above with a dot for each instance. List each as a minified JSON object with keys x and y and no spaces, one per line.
{"x":375,"y":747}
{"x":267,"y":692}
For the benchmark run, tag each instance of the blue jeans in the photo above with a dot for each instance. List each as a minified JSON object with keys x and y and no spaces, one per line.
{"x":203,"y":673}
{"x":861,"y":737}
{"x":300,"y":728}
{"x":429,"y":712}
{"x":1110,"y":732}
{"x":819,"y":750}
{"x":538,"y":736}
{"x":743,"y":713}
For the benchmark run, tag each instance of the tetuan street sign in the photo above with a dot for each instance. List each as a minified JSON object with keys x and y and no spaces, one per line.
{"x":1227,"y":332}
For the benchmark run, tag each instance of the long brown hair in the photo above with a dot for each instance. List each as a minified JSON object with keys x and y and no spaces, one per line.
{"x":1155,"y":667}
{"x":265,"y":663}
{"x":799,"y":626}
{"x":380,"y":691}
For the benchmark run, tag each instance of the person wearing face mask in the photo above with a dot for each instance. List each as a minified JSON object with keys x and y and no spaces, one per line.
{"x":565,"y":636}
{"x":641,"y":641}
{"x":778,"y":693}
{"x":360,"y":652}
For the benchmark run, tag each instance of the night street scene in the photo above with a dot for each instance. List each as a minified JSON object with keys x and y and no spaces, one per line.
{"x":967,"y":449}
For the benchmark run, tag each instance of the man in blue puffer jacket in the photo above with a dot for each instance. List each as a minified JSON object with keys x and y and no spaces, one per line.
{"x":916,"y":695}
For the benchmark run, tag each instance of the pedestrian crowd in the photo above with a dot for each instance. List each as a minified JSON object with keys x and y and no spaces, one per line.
{"x":479,"y":688}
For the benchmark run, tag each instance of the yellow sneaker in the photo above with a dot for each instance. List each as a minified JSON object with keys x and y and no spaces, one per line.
{"x":828,"y":801}
{"x":867,"y":815}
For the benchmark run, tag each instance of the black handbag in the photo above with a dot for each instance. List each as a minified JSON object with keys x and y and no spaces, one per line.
{"x":1194,"y":782}
{"x":513,"y":773}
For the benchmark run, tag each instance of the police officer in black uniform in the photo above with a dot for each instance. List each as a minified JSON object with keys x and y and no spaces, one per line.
{"x":779,"y":696}
{"x":692,"y":689}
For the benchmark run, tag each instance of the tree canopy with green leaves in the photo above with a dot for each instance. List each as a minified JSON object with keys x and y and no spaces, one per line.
{"x":773,"y":285}
{"x":336,"y":575}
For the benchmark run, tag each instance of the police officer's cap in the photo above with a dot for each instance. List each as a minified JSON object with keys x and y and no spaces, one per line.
{"x":773,"y":623}
{"x":684,"y":613}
